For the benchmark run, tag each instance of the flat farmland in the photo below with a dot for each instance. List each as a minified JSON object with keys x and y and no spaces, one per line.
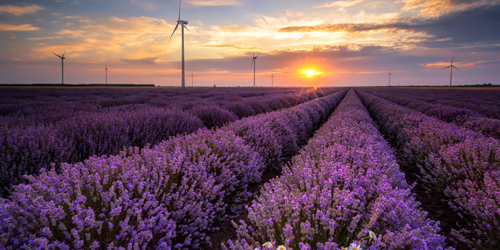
{"x":241,"y":168}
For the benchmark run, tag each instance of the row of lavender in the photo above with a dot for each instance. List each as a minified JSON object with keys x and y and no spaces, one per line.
{"x":343,"y":189}
{"x":166,"y":197}
{"x":460,"y":116}
{"x":44,"y":108}
{"x":25,"y":150}
{"x":22,"y":102}
{"x":485,"y":102}
{"x":461,"y":164}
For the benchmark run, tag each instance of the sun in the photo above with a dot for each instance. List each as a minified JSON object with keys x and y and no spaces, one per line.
{"x":309,"y":73}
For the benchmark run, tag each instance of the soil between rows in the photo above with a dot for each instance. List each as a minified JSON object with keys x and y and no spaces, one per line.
{"x":226,"y":230}
{"x":435,"y":204}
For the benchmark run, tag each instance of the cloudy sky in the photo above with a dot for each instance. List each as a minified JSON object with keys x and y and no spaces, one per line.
{"x":300,"y":42}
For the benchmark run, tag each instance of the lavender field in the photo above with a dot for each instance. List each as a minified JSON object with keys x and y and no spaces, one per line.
{"x":238,"y":168}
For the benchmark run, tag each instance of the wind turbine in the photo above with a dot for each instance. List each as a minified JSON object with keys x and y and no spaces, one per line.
{"x":272,"y":80}
{"x":451,"y":69}
{"x":183,"y":24}
{"x":389,"y":75}
{"x":253,"y":63}
{"x":106,"y":69}
{"x":62,"y":64}
{"x":192,"y":79}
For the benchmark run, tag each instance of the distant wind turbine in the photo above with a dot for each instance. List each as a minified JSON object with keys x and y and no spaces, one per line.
{"x":253,"y":63}
{"x":272,"y":80}
{"x":451,"y":69}
{"x":183,"y":24}
{"x":389,"y":75}
{"x":62,"y":64}
{"x":192,"y":79}
{"x":106,"y":69}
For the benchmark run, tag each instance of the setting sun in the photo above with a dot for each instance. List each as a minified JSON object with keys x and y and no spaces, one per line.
{"x":309,"y":73}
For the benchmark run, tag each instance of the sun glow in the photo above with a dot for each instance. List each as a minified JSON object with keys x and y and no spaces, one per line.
{"x":310,"y":73}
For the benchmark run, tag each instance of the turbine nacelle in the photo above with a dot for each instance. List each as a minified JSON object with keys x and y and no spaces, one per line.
{"x":451,"y":65}
{"x":62,"y":57}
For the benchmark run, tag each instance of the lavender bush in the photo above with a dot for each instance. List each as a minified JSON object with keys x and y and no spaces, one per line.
{"x":70,"y":135}
{"x":343,"y":189}
{"x":104,"y":202}
{"x":484,"y":102}
{"x":460,"y":116}
{"x":165,"y":197}
{"x":213,"y":116}
{"x":458,"y":162}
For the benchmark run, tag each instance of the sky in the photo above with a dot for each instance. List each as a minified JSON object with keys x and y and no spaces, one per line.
{"x":297,"y":42}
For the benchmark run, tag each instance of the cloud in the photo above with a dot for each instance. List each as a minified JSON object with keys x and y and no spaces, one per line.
{"x":213,"y":2}
{"x":230,"y":46}
{"x":343,"y":27}
{"x":461,"y":64}
{"x":44,"y":38}
{"x":474,"y":26}
{"x":290,"y":58}
{"x":96,"y":38}
{"x":478,"y":26}
{"x":436,"y":8}
{"x":146,"y":61}
{"x":22,"y":27}
{"x":19,"y":10}
{"x":339,"y":4}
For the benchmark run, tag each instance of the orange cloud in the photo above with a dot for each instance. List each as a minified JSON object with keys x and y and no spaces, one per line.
{"x":133,"y":38}
{"x":44,"y":38}
{"x":339,"y":27}
{"x":20,"y":10}
{"x":230,"y":46}
{"x":436,"y":8}
{"x":340,"y":4}
{"x":23,"y":27}
{"x":457,"y":64}
{"x":214,"y":2}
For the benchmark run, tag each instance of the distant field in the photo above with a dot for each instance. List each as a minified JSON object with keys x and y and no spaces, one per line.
{"x":462,"y":88}
{"x":170,"y":168}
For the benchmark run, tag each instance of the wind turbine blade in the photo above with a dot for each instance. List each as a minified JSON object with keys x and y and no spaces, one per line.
{"x":446,"y":67}
{"x":180,"y":9}
{"x":452,"y":60}
{"x":64,"y":53}
{"x":455,"y":67}
{"x":174,"y":31}
{"x":56,"y":54}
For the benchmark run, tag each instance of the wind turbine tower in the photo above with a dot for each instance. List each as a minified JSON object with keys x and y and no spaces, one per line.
{"x":389,"y":75}
{"x":253,"y":63}
{"x":62,"y":65}
{"x":106,"y":69}
{"x":451,"y":69}
{"x":183,"y":24}
{"x":192,"y":79}
{"x":272,"y":80}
